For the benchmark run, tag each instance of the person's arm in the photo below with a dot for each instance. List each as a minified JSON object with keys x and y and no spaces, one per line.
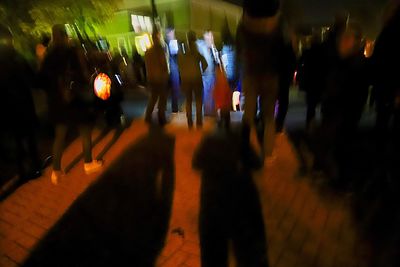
{"x":203,"y":61}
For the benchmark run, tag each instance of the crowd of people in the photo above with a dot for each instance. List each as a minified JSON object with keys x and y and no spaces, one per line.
{"x":334,"y":74}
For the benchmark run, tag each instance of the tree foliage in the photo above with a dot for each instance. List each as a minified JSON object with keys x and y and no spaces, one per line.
{"x":36,"y":16}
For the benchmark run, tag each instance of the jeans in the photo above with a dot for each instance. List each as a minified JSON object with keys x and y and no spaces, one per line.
{"x":175,"y":90}
{"x":189,"y":89}
{"x":159,"y":92}
{"x":209,"y":105}
{"x":59,"y":142}
{"x":266,"y":87}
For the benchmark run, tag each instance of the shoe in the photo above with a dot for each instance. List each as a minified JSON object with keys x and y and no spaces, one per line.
{"x":56,"y":177}
{"x":93,"y":166}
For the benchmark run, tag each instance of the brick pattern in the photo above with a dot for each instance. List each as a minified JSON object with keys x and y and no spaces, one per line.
{"x":27,"y":214}
{"x":304,"y":227}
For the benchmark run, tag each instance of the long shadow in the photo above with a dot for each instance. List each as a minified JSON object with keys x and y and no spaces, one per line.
{"x":122,"y":219}
{"x":230,"y":208}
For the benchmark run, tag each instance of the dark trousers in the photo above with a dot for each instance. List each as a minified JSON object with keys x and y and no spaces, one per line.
{"x":312,"y":100}
{"x":26,"y":146}
{"x":61,"y":131}
{"x":189,"y":90}
{"x":175,"y":91}
{"x":384,"y":115}
{"x":159,"y":92}
{"x":283,"y":100}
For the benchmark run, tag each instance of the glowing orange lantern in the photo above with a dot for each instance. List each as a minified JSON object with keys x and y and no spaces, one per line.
{"x":102,"y":86}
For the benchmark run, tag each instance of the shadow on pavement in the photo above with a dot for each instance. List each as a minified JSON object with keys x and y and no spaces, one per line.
{"x":369,"y":177}
{"x":230,"y":209}
{"x":122,"y":219}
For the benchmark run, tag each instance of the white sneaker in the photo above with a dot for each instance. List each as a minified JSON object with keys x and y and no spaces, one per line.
{"x":56,"y":177}
{"x":93,"y":166}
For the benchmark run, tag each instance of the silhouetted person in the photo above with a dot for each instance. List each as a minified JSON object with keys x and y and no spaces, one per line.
{"x":191,"y":66}
{"x":41,"y":48}
{"x":343,"y":101}
{"x":288,"y":66}
{"x":157,"y":79}
{"x":230,"y":209}
{"x":173,"y":49}
{"x":64,"y":77}
{"x":385,"y":70}
{"x":259,"y":48}
{"x":17,"y":111}
{"x":311,"y":79}
{"x":139,"y":67}
{"x":207,"y":49}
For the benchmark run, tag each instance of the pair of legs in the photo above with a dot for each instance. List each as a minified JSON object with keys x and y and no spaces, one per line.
{"x":159,"y":93}
{"x":266,"y":87}
{"x":175,"y":90}
{"x":209,"y":105}
{"x":26,"y":146}
{"x":312,"y":100}
{"x":61,"y":131}
{"x":195,"y":89}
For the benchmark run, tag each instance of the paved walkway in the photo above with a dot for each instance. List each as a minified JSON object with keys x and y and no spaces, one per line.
{"x":304,"y":227}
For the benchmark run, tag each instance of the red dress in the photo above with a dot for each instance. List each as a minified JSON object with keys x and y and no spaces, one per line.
{"x":222,"y":91}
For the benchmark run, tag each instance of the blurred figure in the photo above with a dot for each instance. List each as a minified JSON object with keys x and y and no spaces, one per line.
{"x":191,"y":66}
{"x":173,"y":49}
{"x":41,"y":48}
{"x":288,"y":66}
{"x":210,"y":53}
{"x":230,"y":208}
{"x":228,"y":59}
{"x":343,"y":102}
{"x":260,"y":44}
{"x":223,"y":97}
{"x":139,"y":68}
{"x":311,"y":79}
{"x":64,"y":75}
{"x":385,"y":65}
{"x":17,"y":110}
{"x":157,"y":79}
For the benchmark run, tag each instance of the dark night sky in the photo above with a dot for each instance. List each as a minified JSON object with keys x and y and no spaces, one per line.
{"x":367,"y":12}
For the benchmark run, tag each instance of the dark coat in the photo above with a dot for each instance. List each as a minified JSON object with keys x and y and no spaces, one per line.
{"x":385,"y":61}
{"x":347,"y":88}
{"x":17,"y":109}
{"x":60,"y":67}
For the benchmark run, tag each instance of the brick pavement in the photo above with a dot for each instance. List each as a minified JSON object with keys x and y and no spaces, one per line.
{"x":304,"y":227}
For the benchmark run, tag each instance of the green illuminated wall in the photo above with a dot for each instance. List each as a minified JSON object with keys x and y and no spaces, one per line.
{"x":120,"y":23}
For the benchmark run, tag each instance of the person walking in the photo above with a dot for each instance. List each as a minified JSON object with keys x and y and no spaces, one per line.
{"x":385,"y":68}
{"x":157,"y":79}
{"x":210,"y":53}
{"x":173,"y":49}
{"x":17,"y":110}
{"x":259,"y":48}
{"x":64,"y":75}
{"x":342,"y":105}
{"x":191,"y":65}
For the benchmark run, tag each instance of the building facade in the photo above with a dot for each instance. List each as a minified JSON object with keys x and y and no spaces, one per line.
{"x":131,"y":26}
